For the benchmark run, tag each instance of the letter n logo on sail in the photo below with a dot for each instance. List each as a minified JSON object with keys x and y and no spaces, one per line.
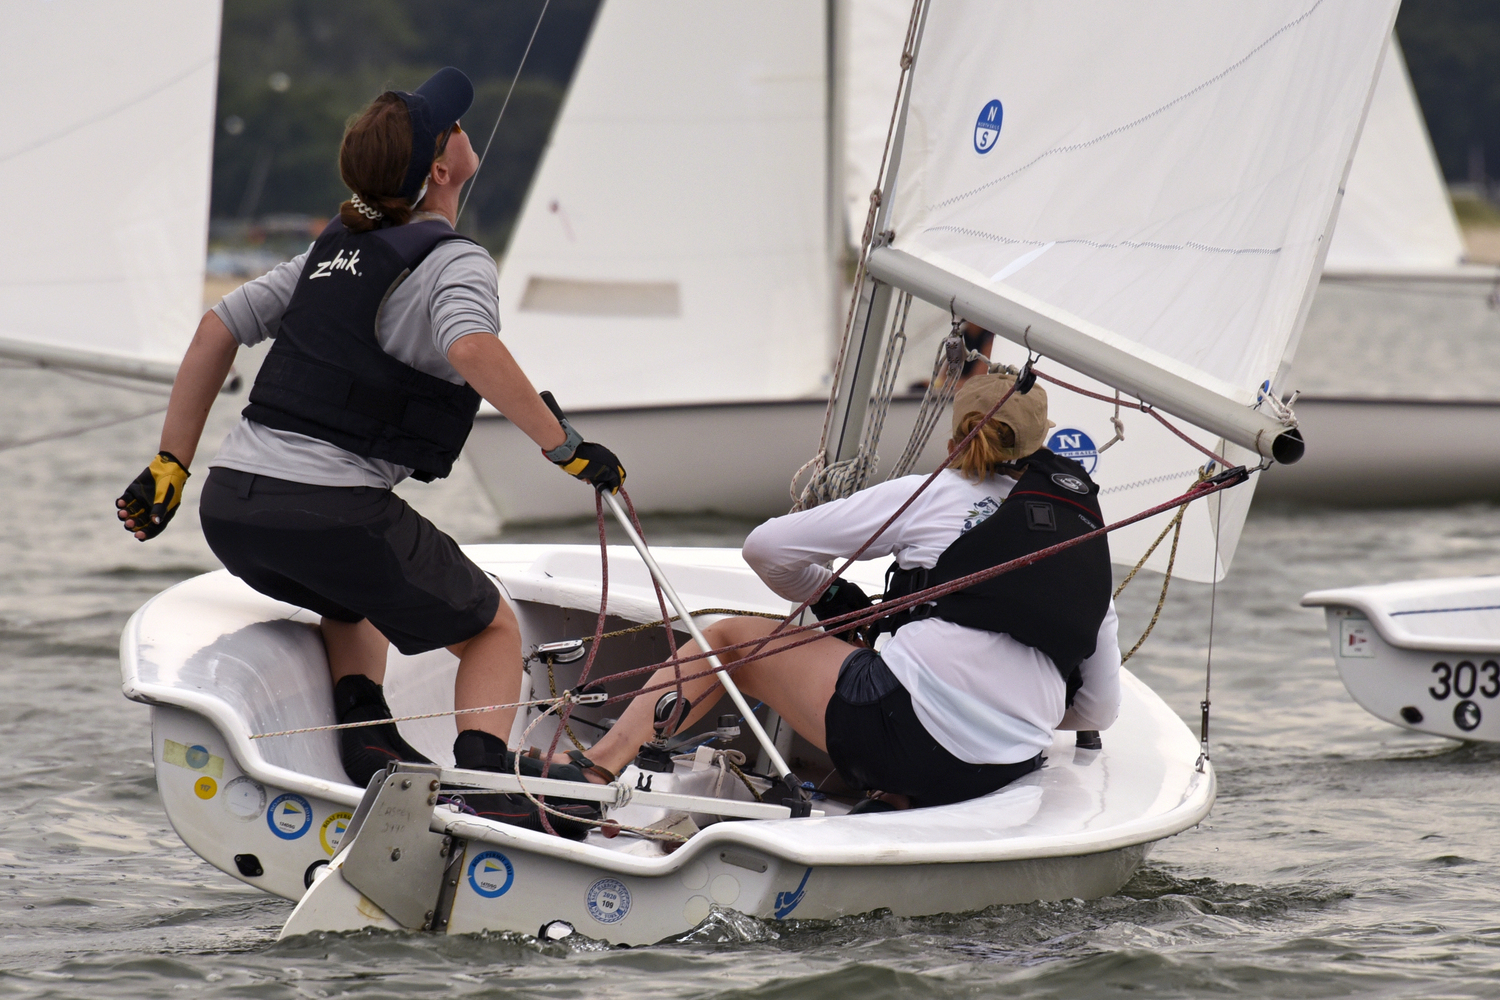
{"x":987,"y":128}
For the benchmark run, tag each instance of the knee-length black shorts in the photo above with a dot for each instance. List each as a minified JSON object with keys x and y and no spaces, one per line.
{"x":348,"y":553}
{"x":877,"y":742}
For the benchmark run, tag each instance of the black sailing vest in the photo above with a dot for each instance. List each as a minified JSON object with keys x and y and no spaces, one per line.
{"x":1057,"y":603}
{"x":326,"y":375}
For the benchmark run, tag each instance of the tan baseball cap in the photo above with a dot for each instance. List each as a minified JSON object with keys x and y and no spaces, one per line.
{"x":1026,"y":415}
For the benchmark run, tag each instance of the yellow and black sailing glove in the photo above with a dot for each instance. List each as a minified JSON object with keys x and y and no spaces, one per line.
{"x":595,"y":465}
{"x":149,"y":503}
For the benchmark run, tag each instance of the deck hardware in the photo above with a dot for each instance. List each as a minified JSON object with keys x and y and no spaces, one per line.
{"x":394,"y":858}
{"x":249,"y":865}
{"x":566,"y":651}
{"x":740,"y":859}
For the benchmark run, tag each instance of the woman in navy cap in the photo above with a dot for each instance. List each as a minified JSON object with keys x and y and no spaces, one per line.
{"x":385,"y":340}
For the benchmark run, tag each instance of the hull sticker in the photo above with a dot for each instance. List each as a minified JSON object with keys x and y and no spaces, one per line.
{"x":491,"y":874}
{"x":194,"y":758}
{"x":245,"y":798}
{"x":786,"y":902}
{"x":608,"y":900}
{"x":1354,"y":639}
{"x":333,"y":831}
{"x":205,"y":787}
{"x":290,"y":816}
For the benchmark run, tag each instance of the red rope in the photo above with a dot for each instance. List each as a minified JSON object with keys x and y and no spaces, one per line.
{"x":1141,"y":405}
{"x":1225,"y":480}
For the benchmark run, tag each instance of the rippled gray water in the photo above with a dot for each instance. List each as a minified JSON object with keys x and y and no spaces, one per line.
{"x":1344,"y":857}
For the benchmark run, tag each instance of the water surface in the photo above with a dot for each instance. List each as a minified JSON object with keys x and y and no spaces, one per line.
{"x":1344,"y":857}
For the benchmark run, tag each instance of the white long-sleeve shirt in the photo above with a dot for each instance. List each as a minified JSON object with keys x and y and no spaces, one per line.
{"x":985,"y":697}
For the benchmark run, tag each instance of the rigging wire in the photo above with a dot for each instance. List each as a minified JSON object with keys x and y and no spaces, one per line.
{"x":1208,"y":668}
{"x":503,"y":105}
{"x":76,"y":431}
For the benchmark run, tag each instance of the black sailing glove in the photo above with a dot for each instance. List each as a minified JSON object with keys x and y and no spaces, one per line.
{"x":841,"y":598}
{"x":596,"y":465}
{"x":149,"y":503}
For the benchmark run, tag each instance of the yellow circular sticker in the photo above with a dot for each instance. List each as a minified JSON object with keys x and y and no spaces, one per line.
{"x":206,"y":787}
{"x":333,"y":831}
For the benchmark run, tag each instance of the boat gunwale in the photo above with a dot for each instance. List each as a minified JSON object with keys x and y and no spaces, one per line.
{"x":1195,"y":804}
{"x":1365,"y":600}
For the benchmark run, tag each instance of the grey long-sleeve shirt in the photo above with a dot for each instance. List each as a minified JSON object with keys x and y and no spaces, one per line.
{"x":451,"y":294}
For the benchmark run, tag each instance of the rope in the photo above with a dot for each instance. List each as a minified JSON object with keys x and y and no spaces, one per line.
{"x":849,"y":476}
{"x":908,"y":57}
{"x":1144,"y":407}
{"x":503,"y":105}
{"x":947,"y":368}
{"x":1175,"y":526}
{"x":1224,"y":480}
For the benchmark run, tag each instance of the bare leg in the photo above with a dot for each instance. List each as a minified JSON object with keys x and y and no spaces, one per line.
{"x":796,"y":683}
{"x":354,"y":649}
{"x":489,"y":673}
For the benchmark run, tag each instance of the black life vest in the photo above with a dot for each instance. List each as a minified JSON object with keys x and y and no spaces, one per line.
{"x":1057,"y":603}
{"x":327,"y":376}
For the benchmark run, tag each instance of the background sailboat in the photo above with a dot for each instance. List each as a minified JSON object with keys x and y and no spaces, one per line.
{"x":685,"y":288}
{"x":1398,"y":248}
{"x":107,"y":154}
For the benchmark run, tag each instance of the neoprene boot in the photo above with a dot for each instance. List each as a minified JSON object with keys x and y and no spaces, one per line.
{"x":477,"y":750}
{"x":369,"y":749}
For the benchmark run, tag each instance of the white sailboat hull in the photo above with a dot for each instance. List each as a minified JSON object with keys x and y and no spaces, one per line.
{"x":1391,"y":452}
{"x":733,"y":458}
{"x":1424,"y":654}
{"x":219,"y":663}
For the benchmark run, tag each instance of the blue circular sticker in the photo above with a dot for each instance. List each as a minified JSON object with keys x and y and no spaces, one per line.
{"x":197,"y":757}
{"x":290,"y":816}
{"x":491,"y":874}
{"x":1070,"y":442}
{"x":987,"y":128}
{"x":608,"y":900}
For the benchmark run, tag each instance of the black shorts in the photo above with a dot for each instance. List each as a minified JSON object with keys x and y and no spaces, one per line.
{"x":347,"y":553}
{"x":877,"y":742}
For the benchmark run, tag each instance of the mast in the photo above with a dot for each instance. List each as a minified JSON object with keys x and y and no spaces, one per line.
{"x":872,"y":311}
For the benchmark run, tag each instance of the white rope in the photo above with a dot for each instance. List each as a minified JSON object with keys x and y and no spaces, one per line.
{"x":817,"y":462}
{"x":849,"y":476}
{"x":566,"y":696}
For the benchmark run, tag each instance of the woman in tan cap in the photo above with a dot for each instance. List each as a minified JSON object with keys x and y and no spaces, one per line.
{"x":964,"y":697}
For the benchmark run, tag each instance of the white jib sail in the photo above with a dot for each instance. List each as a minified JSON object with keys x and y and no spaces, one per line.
{"x":1396,"y":218}
{"x":674,"y":247}
{"x":1152,"y":183}
{"x":106,"y":157}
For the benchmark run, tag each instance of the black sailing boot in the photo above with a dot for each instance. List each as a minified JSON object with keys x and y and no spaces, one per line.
{"x":477,"y":750}
{"x":368,"y":749}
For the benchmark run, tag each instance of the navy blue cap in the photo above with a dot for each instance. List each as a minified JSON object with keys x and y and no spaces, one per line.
{"x":436,"y":105}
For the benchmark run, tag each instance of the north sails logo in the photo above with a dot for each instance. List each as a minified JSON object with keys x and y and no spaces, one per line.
{"x":338,"y":263}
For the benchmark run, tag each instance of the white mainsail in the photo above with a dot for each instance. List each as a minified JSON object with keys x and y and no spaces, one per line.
{"x":106,"y":155}
{"x":1396,"y":218}
{"x":675,"y":244}
{"x":1143,"y":194}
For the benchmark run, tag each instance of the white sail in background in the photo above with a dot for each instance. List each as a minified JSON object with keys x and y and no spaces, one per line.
{"x":1396,"y":218}
{"x":106,"y":156}
{"x":674,"y":247}
{"x":1150,"y":190}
